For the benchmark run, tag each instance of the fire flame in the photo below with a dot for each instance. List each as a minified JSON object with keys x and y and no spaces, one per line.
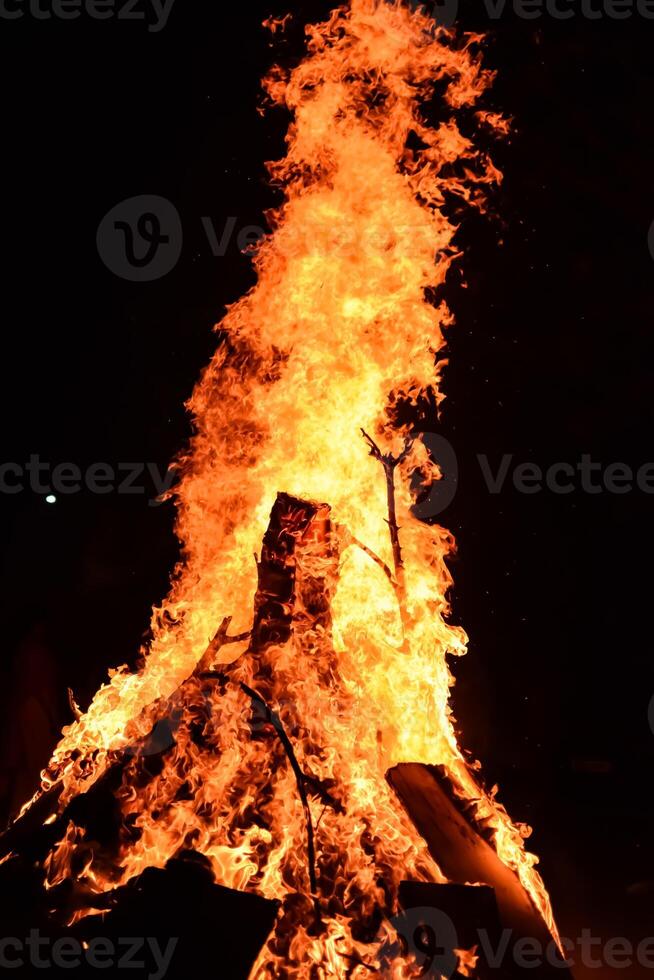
{"x":338,"y":334}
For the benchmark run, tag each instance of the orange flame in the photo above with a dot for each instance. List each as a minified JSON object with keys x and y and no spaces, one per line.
{"x":336,"y":334}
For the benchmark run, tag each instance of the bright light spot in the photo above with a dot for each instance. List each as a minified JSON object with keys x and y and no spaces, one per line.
{"x":51,"y":499}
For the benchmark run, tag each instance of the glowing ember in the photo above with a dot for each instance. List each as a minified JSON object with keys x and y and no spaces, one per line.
{"x":337,"y":336}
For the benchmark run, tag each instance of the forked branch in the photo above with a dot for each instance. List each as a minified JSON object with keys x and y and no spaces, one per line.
{"x":390,"y":464}
{"x":220,"y":640}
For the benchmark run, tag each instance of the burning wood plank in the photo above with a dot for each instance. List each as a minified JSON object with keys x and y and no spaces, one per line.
{"x":464,"y":856}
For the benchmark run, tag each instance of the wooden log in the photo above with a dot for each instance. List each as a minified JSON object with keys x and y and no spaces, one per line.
{"x":470,"y":907}
{"x":298,"y":529}
{"x":20,"y":834}
{"x":199,"y":928}
{"x":438,"y":920}
{"x":466,"y":858}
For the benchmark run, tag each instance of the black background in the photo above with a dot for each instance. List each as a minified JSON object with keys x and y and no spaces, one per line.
{"x":551,"y":358}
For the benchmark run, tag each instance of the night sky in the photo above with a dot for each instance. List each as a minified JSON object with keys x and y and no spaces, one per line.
{"x":551,"y":361}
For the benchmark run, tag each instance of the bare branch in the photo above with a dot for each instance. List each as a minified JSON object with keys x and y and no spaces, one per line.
{"x":221,"y":639}
{"x":350,"y":538}
{"x":390,"y":464}
{"x":374,"y":448}
{"x":300,"y":778}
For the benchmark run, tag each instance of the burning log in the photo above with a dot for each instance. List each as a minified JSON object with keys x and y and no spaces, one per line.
{"x":297,"y":559}
{"x":467,"y":858}
{"x":30,"y":823}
